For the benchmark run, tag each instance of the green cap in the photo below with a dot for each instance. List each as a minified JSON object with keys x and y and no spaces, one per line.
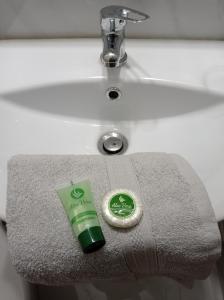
{"x":91,"y":239}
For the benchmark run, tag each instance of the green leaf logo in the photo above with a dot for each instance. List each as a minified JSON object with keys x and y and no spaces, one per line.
{"x":122,"y":205}
{"x":77,"y":193}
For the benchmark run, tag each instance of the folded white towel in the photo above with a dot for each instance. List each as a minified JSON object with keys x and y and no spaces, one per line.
{"x":177,"y":237}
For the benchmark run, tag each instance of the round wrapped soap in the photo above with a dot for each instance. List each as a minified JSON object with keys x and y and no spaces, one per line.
{"x":122,"y":208}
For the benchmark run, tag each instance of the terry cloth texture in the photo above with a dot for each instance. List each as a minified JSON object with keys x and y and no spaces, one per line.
{"x":178,"y":235}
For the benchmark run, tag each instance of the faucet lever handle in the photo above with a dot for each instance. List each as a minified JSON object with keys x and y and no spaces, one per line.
{"x":123,"y":13}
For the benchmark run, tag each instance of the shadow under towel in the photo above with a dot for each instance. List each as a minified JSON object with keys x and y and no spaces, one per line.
{"x":178,"y":235}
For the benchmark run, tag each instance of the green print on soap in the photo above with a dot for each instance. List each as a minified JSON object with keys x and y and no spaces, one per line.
{"x":122,"y":205}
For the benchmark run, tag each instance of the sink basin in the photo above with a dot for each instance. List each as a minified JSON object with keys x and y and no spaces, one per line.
{"x":87,"y":101}
{"x":57,"y":103}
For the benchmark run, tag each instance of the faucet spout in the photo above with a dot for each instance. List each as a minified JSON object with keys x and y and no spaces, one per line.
{"x":113,"y":54}
{"x":113,"y":22}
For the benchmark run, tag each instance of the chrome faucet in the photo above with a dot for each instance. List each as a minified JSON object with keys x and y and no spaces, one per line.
{"x":113,"y":22}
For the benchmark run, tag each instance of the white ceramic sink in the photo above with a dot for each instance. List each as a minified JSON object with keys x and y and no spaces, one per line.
{"x":53,"y":101}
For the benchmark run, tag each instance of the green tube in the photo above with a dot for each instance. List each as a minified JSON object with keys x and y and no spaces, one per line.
{"x":77,"y":200}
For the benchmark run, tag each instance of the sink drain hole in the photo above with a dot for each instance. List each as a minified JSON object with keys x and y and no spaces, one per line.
{"x":113,"y":151}
{"x":113,"y":93}
{"x":112,"y":143}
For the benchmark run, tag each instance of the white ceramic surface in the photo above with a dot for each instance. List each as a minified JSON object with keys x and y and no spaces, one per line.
{"x":53,"y":100}
{"x":169,"y":18}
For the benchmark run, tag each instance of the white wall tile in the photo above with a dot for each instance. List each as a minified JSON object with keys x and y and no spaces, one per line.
{"x":56,"y":18}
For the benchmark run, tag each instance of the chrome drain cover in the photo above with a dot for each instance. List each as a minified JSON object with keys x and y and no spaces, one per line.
{"x":112,"y":143}
{"x":113,"y":93}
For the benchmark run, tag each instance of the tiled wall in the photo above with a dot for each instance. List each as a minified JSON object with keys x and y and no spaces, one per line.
{"x":56,"y":18}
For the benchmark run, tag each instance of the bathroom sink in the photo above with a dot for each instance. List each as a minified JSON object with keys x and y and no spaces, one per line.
{"x":53,"y":100}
